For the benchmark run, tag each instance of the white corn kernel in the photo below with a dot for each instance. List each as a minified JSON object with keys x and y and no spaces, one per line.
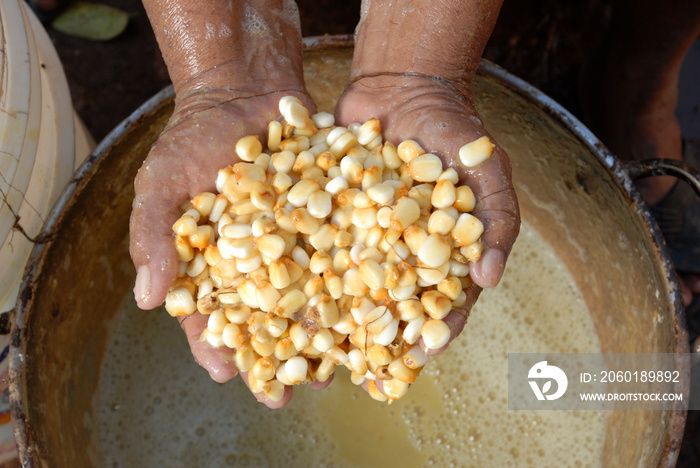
{"x":180,"y":302}
{"x":450,"y":287}
{"x":345,"y":324}
{"x":322,"y":340}
{"x":343,"y":143}
{"x":368,"y":131}
{"x":381,"y":194}
{"x":232,"y":336}
{"x":283,"y":161}
{"x":412,"y":331}
{"x":450,"y":174}
{"x":409,"y":150}
{"x":296,"y":369}
{"x":215,"y":340}
{"x":279,"y":275}
{"x":263,"y":369}
{"x":327,"y":311}
{"x":263,"y":343}
{"x":467,"y":230}
{"x":336,"y":185}
{"x":304,"y":222}
{"x":244,"y":358}
{"x":372,"y":274}
{"x":323,"y":120}
{"x":276,"y":326}
{"x":405,"y":212}
{"x":377,"y":319}
{"x":284,"y":349}
{"x":299,"y":336}
{"x":254,"y":384}
{"x":425,"y":168}
{"x":248,"y":265}
{"x":185,"y":226}
{"x":395,"y":389}
{"x":351,"y":169}
{"x":472,"y":252}
{"x":217,"y":321}
{"x":301,"y":258}
{"x":388,"y":334}
{"x":293,"y":111}
{"x":458,"y":269}
{"x":436,"y":304}
{"x":237,"y":231}
{"x":270,"y":246}
{"x":432,"y":275}
{"x":324,"y":238}
{"x":263,"y":196}
{"x":379,"y":355}
{"x":319,"y":204}
{"x":374,"y":391}
{"x":444,"y":194}
{"x":435,"y":251}
{"x":415,"y":237}
{"x":400,"y":371}
{"x":274,"y":390}
{"x":415,"y":358}
{"x":185,"y":252}
{"x":290,"y":303}
{"x":305,"y":160}
{"x":248,"y":148}
{"x":391,"y":156}
{"x":474,"y":153}
{"x":324,"y":370}
{"x":435,"y":334}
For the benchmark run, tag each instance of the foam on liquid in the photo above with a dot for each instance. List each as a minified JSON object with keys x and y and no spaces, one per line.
{"x":156,"y":407}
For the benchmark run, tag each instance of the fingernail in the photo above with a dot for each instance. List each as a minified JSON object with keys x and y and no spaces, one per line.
{"x":493,"y":262}
{"x":142,"y":286}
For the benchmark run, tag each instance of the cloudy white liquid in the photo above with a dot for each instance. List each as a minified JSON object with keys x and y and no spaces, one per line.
{"x":156,"y":407}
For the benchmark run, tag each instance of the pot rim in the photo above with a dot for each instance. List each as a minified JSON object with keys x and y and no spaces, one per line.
{"x":23,"y":428}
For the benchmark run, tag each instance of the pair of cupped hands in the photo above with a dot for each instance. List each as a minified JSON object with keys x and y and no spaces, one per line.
{"x":200,"y":139}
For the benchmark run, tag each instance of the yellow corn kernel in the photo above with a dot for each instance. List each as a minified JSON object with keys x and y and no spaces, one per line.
{"x":409,"y":150}
{"x":180,"y":302}
{"x":464,"y":199}
{"x":274,"y":135}
{"x":248,"y":148}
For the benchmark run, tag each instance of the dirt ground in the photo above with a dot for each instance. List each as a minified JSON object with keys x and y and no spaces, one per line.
{"x":543,"y":42}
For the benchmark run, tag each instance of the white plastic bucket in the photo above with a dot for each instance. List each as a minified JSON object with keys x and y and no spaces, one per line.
{"x":42,"y":142}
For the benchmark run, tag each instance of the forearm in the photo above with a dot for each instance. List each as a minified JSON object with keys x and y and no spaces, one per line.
{"x":228,"y":44}
{"x":441,"y":38}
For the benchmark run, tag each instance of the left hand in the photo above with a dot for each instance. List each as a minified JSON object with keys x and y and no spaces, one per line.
{"x":442,"y":119}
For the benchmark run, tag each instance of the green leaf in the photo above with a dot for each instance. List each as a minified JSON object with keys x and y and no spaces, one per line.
{"x":91,"y":21}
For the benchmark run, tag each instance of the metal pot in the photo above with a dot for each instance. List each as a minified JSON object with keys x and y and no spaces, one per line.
{"x":577,"y":194}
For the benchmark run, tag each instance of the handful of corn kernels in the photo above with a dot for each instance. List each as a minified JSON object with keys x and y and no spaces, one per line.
{"x":329,"y":247}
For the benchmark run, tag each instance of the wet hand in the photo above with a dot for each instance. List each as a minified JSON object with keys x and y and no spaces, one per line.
{"x":198,"y":141}
{"x":442,"y":119}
